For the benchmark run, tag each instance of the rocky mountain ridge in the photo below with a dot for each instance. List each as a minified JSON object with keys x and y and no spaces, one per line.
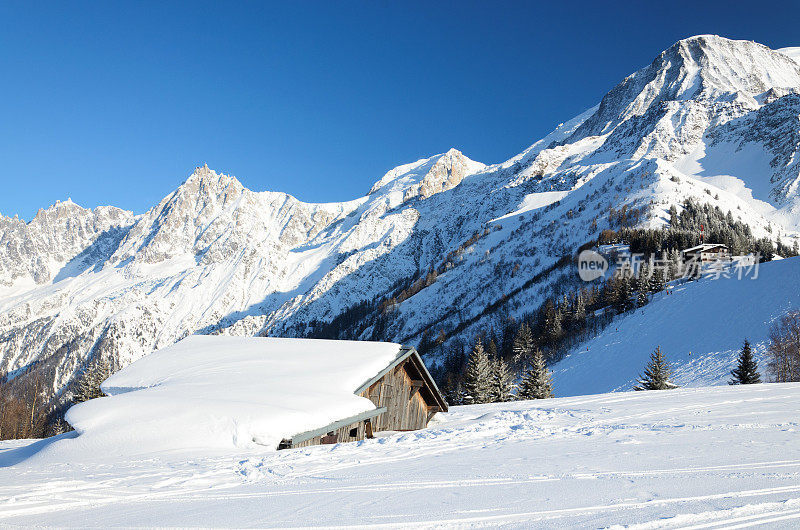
{"x":710,"y":119}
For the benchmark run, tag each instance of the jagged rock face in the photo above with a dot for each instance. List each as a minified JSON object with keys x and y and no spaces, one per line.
{"x":664,"y":109}
{"x":34,"y":251}
{"x":446,"y":173}
{"x":774,"y":126}
{"x":215,"y":257}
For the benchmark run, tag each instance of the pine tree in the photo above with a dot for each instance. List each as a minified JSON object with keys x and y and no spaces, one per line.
{"x":623,"y":293}
{"x":502,"y":381}
{"x":675,"y":266}
{"x":580,"y":308}
{"x":491,"y":349}
{"x":746,"y":373}
{"x":642,"y":282}
{"x":523,"y":342}
{"x":453,"y":390}
{"x":536,"y":379}
{"x":673,"y":217}
{"x":552,"y":323}
{"x":91,"y":379}
{"x":641,"y":298}
{"x":658,"y":283}
{"x":477,"y":377}
{"x":656,"y":375}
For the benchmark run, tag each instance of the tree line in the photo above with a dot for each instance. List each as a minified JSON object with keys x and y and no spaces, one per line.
{"x":28,"y":408}
{"x":685,"y":229}
{"x":488,"y":378}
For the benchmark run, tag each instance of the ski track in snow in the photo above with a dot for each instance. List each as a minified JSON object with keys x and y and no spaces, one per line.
{"x":698,"y":458}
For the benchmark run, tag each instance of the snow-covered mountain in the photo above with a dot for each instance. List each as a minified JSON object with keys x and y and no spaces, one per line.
{"x":711,"y":119}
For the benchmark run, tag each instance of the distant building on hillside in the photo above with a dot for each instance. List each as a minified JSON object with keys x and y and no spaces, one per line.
{"x":707,"y":253}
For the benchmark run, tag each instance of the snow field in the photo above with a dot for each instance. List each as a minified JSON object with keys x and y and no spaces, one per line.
{"x":703,"y":457}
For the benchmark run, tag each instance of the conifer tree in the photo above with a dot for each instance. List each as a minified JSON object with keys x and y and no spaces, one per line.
{"x":658,"y":282}
{"x":90,"y":381}
{"x":642,"y":282}
{"x":675,"y":265}
{"x":536,"y":379}
{"x":656,"y":375}
{"x":580,"y":308}
{"x":477,"y":376}
{"x":453,"y":390}
{"x":641,"y":298}
{"x":552,"y":323}
{"x":623,"y":292}
{"x":523,"y":342}
{"x":502,"y":381}
{"x":491,"y":349}
{"x":673,"y":217}
{"x":746,"y":372}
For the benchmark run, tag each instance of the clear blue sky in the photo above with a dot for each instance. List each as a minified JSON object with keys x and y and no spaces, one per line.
{"x":116,"y":102}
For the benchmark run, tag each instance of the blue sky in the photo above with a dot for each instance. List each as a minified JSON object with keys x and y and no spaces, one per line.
{"x":115,"y":103}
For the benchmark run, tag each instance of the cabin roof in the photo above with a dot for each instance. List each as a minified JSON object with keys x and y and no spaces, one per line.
{"x":416,"y":361}
{"x":220,"y":390}
{"x":705,"y":246}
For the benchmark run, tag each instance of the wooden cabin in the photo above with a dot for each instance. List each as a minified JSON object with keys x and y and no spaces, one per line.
{"x":405,"y":397}
{"x":226,"y":391}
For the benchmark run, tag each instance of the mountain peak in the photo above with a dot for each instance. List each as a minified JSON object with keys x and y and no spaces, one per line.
{"x":428,"y":176}
{"x":700,"y":68}
{"x":717,"y":65}
{"x":205,"y":182}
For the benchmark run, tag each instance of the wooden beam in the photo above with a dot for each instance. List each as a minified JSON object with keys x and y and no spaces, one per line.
{"x":368,"y":429}
{"x":431,"y":412}
{"x":417,"y":383}
{"x":302,"y":437}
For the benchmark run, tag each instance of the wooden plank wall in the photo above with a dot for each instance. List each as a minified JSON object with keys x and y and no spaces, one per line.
{"x":404,"y":411}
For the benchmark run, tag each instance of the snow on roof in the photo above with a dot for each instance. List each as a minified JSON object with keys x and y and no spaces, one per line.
{"x":215,"y":391}
{"x":705,"y":246}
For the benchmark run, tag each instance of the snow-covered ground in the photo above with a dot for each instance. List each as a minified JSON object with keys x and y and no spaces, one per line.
{"x":698,"y":457}
{"x":700,"y":326}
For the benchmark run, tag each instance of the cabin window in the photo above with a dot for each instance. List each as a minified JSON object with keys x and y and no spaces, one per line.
{"x":354,"y":432}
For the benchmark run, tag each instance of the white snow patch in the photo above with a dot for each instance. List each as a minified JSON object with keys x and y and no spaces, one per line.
{"x":534,"y":201}
{"x":793,"y":52}
{"x":718,"y":165}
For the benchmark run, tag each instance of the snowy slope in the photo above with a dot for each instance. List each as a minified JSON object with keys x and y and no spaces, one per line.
{"x":711,"y":119}
{"x":711,"y":457}
{"x":700,"y":328}
{"x":793,"y":52}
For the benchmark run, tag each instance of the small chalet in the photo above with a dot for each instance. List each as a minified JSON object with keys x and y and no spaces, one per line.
{"x":233,"y":392}
{"x":405,"y":398}
{"x":707,"y":253}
